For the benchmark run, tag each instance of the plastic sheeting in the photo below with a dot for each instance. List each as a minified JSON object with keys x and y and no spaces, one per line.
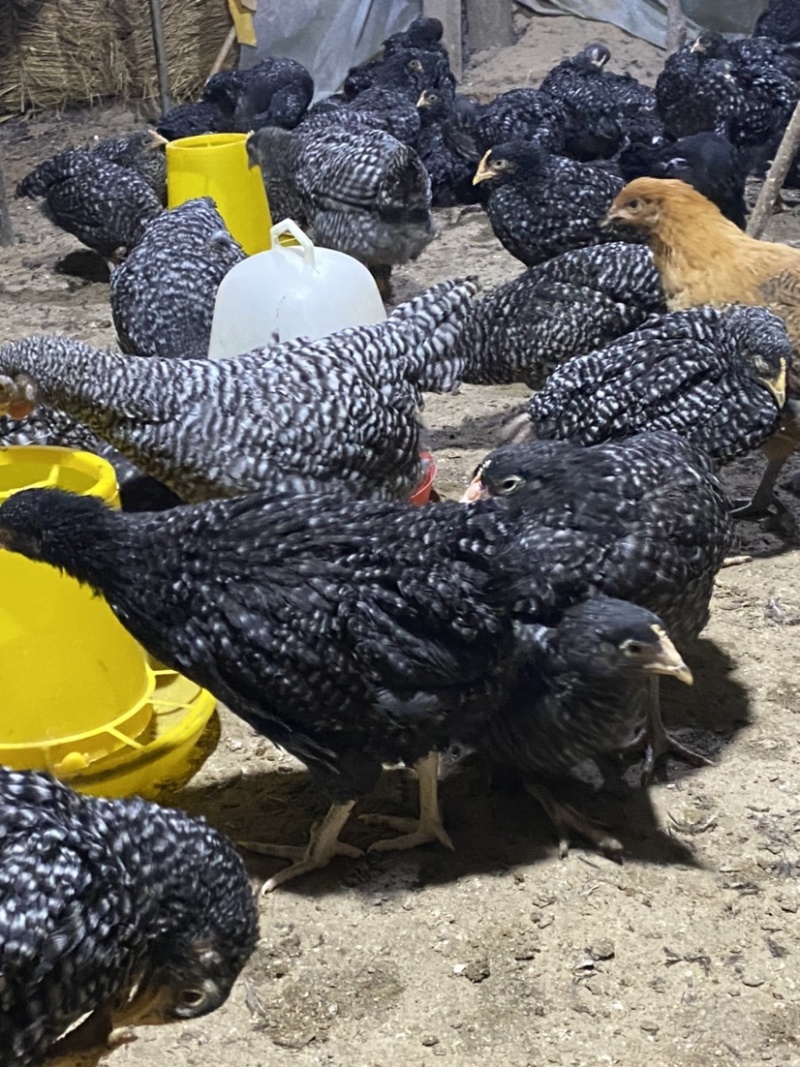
{"x":648,"y":18}
{"x":327,"y":36}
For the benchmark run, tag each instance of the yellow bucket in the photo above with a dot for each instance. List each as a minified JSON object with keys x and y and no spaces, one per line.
{"x":80,"y":698}
{"x":216,"y":165}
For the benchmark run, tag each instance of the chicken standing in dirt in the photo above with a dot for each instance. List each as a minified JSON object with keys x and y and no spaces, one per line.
{"x":703,"y":258}
{"x":643,"y":519}
{"x":338,"y":413}
{"x":351,"y":633}
{"x":132,"y":913}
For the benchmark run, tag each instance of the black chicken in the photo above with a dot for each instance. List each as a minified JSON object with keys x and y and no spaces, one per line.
{"x":540,"y":205}
{"x":708,"y":161}
{"x":104,"y":205}
{"x":127,"y":911}
{"x":781,"y":21}
{"x":424,"y":33}
{"x":350,"y":633}
{"x":524,"y":328}
{"x":194,"y":118}
{"x":716,"y":377}
{"x":276,"y":91}
{"x":695,"y":92}
{"x":337,"y":412}
{"x":447,"y":152}
{"x":408,"y":71}
{"x":644,"y":519}
{"x":162,"y":295}
{"x":359,"y":191}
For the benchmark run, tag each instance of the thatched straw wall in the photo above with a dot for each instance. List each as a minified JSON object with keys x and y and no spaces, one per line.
{"x":59,"y":52}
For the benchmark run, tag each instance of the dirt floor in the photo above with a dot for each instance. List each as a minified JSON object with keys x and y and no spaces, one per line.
{"x":501,"y":953}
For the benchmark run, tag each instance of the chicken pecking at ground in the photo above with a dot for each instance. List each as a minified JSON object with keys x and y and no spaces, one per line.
{"x":120,"y":909}
{"x":644,"y":519}
{"x":339,"y":412}
{"x":540,"y":204}
{"x":359,"y":191}
{"x":350,"y":633}
{"x":715,"y":377}
{"x":104,"y":205}
{"x":521,"y":330}
{"x":703,"y":258}
{"x":162,"y":295}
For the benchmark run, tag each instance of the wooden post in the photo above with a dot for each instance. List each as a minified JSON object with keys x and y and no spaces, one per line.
{"x":449,"y":12}
{"x":773,"y":183}
{"x":676,"y":26}
{"x":490,"y":24}
{"x":157,"y":23}
{"x":6,"y":235}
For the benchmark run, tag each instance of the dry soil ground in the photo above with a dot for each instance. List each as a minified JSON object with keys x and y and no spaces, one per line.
{"x":501,"y":954}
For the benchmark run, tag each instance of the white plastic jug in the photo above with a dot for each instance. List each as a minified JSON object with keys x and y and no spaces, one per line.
{"x":291,"y":291}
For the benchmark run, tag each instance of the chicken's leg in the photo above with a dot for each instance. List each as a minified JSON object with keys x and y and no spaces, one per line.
{"x":566,"y":819}
{"x":764,"y":503}
{"x":428,"y":827}
{"x":323,"y":845}
{"x":657,"y":742}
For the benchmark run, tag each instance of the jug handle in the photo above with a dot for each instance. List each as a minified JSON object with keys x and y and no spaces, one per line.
{"x":305,"y":242}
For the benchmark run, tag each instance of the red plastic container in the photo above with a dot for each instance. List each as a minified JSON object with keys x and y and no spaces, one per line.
{"x":422,"y":494}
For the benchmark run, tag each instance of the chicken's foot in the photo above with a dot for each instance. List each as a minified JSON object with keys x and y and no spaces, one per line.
{"x":88,"y":1043}
{"x":323,"y":845}
{"x":657,"y":742}
{"x":428,"y":827}
{"x":764,"y":504}
{"x":567,"y":819}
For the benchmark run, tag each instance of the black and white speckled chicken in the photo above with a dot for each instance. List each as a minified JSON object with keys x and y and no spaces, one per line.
{"x":377,"y":108}
{"x":597,"y":100}
{"x":518,"y":115}
{"x":540,"y":204}
{"x":715,"y":377}
{"x":196,"y":117}
{"x":162,"y":295}
{"x":644,"y":520}
{"x":142,"y":152}
{"x":781,"y":21}
{"x":339,"y":412}
{"x":351,"y":633}
{"x":361,"y":192}
{"x":105,"y":206}
{"x":580,"y":694}
{"x":695,"y":92}
{"x":276,"y":91}
{"x":424,"y":32}
{"x":707,"y":161}
{"x":448,"y":153}
{"x":521,"y":330}
{"x":408,"y":71}
{"x":131,"y":912}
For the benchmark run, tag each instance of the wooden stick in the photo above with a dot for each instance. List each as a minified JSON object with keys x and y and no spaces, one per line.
{"x":157,"y":21}
{"x":6,"y":236}
{"x":227,"y":45}
{"x":676,"y":26}
{"x":773,"y":183}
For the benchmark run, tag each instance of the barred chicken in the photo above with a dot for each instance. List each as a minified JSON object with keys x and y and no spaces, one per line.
{"x":715,"y":377}
{"x":361,"y":192}
{"x":142,"y":152}
{"x":521,"y":330}
{"x":339,"y":412}
{"x":130,"y":912}
{"x":104,"y":205}
{"x":644,"y":520}
{"x":276,"y":91}
{"x":350,"y":633}
{"x":162,"y":295}
{"x":541,"y":205}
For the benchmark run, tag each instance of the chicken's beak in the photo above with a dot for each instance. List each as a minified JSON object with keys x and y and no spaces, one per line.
{"x":156,"y":140}
{"x":484,"y":171}
{"x":476,"y":490}
{"x":611,"y":216}
{"x":423,"y":99}
{"x":666,"y":659}
{"x":777,"y":385}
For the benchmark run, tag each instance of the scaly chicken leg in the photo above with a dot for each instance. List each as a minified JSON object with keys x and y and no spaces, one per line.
{"x":657,"y":741}
{"x":323,"y":844}
{"x":778,"y":449}
{"x":565,"y":819}
{"x":428,"y":827}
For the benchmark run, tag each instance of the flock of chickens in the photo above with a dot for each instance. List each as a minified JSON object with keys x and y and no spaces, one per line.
{"x":266,"y":547}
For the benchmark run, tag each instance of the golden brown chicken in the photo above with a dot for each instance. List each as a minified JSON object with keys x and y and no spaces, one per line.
{"x":703,"y":258}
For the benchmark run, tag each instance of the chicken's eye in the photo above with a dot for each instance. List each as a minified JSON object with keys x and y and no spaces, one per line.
{"x":415,"y":64}
{"x":508,"y":485}
{"x":192,"y":998}
{"x":635,"y":204}
{"x":632,"y":648}
{"x":498,"y":164}
{"x":432,"y":98}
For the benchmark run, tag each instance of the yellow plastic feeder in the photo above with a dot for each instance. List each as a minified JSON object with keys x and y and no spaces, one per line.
{"x":80,"y":697}
{"x":216,"y":165}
